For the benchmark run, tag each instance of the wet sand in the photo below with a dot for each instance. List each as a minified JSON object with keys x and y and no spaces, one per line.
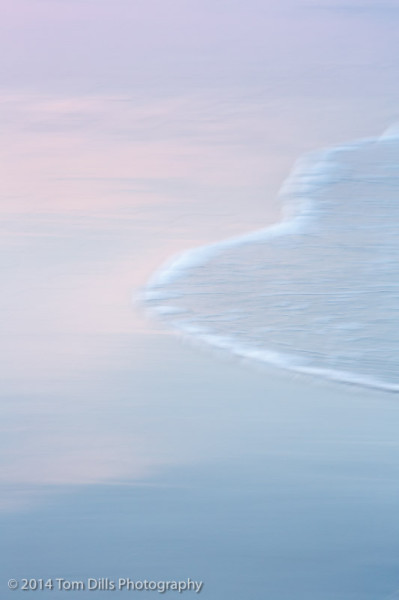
{"x":259,"y":484}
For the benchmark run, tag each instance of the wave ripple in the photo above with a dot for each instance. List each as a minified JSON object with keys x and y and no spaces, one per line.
{"x":317,"y":293}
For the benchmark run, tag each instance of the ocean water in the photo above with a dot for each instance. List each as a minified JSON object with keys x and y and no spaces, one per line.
{"x":318,"y":292}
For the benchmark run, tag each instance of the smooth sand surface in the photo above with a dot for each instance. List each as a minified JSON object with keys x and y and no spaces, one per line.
{"x":258,"y":483}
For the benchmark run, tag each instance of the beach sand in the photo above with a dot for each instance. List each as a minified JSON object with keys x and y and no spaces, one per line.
{"x":259,"y":484}
{"x":132,"y":453}
{"x":129,"y":136}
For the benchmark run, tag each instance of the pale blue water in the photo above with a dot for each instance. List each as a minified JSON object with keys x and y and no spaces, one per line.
{"x":317,"y":294}
{"x":131,"y":131}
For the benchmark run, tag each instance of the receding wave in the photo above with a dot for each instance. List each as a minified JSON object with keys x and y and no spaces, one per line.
{"x":316,"y":293}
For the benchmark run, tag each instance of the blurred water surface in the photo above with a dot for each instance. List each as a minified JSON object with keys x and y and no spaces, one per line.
{"x":131,"y":131}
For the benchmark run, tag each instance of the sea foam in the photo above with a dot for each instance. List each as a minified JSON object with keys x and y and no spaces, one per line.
{"x":316,"y":293}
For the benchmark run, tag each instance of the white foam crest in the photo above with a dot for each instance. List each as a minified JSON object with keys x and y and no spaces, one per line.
{"x":305,"y":177}
{"x":309,"y":174}
{"x":280,"y":360}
